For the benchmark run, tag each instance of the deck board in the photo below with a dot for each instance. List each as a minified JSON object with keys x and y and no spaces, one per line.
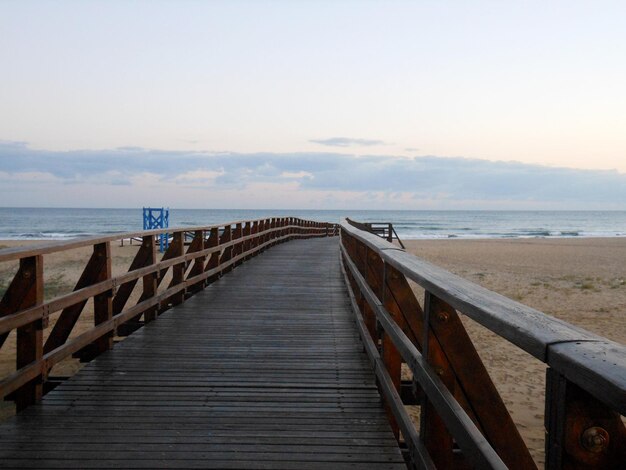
{"x":263,"y":369}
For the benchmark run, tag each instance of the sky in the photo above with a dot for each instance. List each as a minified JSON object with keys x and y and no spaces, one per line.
{"x":313,"y":104}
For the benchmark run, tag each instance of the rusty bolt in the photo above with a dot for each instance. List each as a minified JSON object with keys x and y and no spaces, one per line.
{"x":27,"y":274}
{"x":443,"y":316}
{"x":595,"y":439}
{"x":439,"y":371}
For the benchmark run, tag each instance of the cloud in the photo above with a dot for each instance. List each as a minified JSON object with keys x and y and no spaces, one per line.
{"x":347,"y":142}
{"x":296,"y":174}
{"x":199,"y":177}
{"x":124,"y":176}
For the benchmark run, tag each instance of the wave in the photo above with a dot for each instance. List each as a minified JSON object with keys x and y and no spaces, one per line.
{"x":525,"y":234}
{"x":46,"y":235}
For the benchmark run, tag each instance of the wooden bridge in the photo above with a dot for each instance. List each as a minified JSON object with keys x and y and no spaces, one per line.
{"x":306,"y":356}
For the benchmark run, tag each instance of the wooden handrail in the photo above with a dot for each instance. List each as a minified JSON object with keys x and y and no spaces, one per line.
{"x":22,"y":307}
{"x":384,"y":230}
{"x":8,"y":254}
{"x":582,"y":364}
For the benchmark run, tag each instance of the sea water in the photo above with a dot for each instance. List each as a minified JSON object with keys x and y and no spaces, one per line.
{"x":58,"y":223}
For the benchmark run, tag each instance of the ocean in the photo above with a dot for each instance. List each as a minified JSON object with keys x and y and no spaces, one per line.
{"x":58,"y":223}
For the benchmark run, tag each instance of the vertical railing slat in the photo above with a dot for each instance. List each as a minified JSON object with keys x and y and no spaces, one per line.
{"x":28,"y":284}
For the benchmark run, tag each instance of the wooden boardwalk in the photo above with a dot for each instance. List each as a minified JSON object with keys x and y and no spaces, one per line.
{"x":263,"y":369}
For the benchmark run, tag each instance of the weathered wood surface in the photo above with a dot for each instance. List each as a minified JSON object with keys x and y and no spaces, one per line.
{"x":263,"y":369}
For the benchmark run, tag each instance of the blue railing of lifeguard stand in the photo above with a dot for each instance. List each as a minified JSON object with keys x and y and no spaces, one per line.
{"x":157,"y":217}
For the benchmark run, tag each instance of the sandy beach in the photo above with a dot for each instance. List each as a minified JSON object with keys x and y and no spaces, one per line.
{"x":582,"y":281}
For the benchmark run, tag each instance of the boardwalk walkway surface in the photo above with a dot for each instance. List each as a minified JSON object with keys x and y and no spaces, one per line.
{"x":263,"y":369}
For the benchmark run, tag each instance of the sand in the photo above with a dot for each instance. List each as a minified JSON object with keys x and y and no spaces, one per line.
{"x":582,"y":281}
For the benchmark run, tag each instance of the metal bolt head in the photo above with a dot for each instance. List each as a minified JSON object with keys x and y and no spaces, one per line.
{"x":443,"y":316}
{"x":595,"y":439}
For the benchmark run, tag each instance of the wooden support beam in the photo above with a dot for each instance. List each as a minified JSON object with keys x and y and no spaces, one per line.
{"x":389,"y":353}
{"x":103,"y":303}
{"x":474,"y":384}
{"x":433,"y":432}
{"x":26,"y":290}
{"x":254,"y":230}
{"x":178,"y":271}
{"x":98,"y":269}
{"x":142,"y":259}
{"x":197,"y":266}
{"x":150,"y":282}
{"x":582,"y":432}
{"x":19,"y":295}
{"x":247,"y":245}
{"x":238,"y":247}
{"x":227,"y":253}
{"x":214,"y":260}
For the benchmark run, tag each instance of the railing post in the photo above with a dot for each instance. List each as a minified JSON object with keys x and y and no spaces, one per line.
{"x":103,"y":303}
{"x":268,"y":236}
{"x":178,"y":270}
{"x":279,"y":233}
{"x":149,"y":281}
{"x":255,"y":239}
{"x":227,"y":237}
{"x":258,"y":240}
{"x":389,"y":353}
{"x":214,"y":259}
{"x":582,"y":432}
{"x":433,"y":431}
{"x":26,"y":290}
{"x":238,"y":247}
{"x":247,"y":231}
{"x":197,"y":267}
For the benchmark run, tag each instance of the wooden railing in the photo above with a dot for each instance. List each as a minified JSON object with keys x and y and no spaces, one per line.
{"x":213,"y":250}
{"x":463,"y":421}
{"x":382,"y":229}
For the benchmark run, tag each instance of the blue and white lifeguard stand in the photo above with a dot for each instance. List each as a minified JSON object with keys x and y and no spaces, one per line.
{"x":157,"y":217}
